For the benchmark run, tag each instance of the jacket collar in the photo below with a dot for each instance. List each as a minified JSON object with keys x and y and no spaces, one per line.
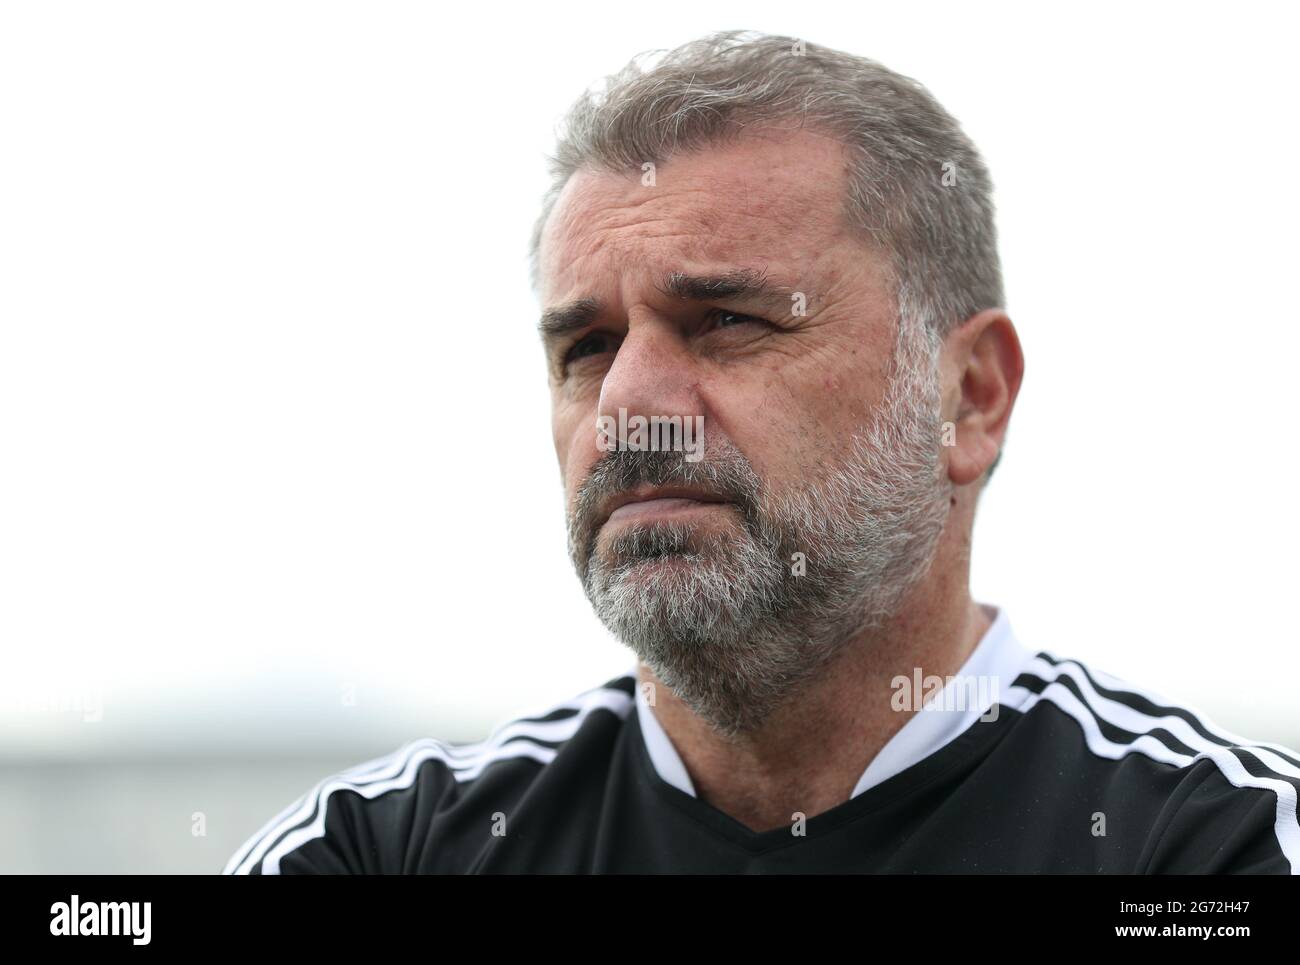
{"x":987,"y":673}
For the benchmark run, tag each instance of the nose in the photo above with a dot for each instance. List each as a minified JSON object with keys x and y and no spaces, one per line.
{"x":653,"y":375}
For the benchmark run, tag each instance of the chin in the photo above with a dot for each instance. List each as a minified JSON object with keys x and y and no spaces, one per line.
{"x":668,"y":576}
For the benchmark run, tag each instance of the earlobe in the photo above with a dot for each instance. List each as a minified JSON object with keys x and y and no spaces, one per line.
{"x":968,"y":460}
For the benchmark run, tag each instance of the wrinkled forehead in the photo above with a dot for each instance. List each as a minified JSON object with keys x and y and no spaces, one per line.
{"x":765,"y":200}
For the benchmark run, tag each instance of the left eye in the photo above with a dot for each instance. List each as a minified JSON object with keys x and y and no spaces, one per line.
{"x":722,"y":318}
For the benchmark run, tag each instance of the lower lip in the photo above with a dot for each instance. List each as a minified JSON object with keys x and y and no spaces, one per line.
{"x":653,"y":508}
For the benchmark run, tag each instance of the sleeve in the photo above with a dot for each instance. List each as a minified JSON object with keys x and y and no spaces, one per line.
{"x":1216,"y":826}
{"x":363,"y":821}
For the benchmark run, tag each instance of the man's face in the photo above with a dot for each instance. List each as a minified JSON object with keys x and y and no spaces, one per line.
{"x":691,"y":563}
{"x":786,"y":390}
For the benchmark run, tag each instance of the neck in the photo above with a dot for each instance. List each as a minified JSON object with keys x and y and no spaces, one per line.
{"x":808,"y":756}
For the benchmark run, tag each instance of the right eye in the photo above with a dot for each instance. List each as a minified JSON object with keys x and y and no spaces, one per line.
{"x":595,"y":343}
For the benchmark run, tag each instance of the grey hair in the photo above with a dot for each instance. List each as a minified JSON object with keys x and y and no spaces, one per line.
{"x":938,"y":237}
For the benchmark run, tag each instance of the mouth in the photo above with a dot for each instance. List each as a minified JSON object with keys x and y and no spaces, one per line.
{"x":657,"y":502}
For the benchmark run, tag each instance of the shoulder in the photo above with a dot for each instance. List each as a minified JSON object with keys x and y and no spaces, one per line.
{"x":366,"y":819}
{"x":1216,"y":801}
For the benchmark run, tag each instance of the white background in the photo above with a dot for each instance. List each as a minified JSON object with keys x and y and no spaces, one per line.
{"x":275,"y":467}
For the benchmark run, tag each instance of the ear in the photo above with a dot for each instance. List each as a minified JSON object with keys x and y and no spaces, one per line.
{"x":984,"y":367}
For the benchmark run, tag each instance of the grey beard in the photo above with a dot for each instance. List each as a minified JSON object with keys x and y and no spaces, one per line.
{"x":724,"y":622}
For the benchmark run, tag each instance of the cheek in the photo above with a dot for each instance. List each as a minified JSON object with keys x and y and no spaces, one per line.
{"x":790,"y":421}
{"x":574,"y":434}
{"x":759,"y":415}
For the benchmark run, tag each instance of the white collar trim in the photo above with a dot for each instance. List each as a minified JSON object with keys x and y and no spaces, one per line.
{"x":662,"y":753}
{"x":994,"y":664}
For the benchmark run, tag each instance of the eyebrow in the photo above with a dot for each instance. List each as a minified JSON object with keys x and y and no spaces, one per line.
{"x":572,"y":317}
{"x":742,"y":283}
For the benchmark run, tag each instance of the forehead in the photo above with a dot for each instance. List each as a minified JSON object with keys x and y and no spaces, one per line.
{"x":770,"y":198}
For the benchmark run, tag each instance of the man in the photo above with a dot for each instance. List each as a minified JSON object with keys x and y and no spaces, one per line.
{"x":791,"y":249}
